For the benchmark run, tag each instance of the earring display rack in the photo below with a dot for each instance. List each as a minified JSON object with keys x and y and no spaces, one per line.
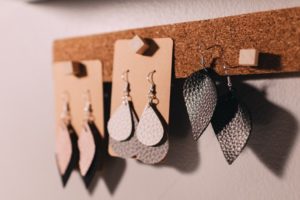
{"x":275,"y":34}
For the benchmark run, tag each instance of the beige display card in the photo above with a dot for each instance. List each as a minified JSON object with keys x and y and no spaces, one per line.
{"x":76,"y":88}
{"x":139,"y":67}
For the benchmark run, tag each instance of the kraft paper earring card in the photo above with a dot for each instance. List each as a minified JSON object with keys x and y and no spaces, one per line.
{"x":156,"y":57}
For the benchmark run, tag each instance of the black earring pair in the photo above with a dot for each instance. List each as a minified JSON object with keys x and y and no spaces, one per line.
{"x":229,"y":117}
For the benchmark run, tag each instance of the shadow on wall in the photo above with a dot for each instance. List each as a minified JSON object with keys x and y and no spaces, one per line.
{"x":274,"y":128}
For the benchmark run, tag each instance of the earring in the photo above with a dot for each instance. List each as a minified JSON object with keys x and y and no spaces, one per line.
{"x":150,"y":130}
{"x":88,"y":139}
{"x":152,"y":139}
{"x":122,"y":125}
{"x":231,"y":123}
{"x":66,"y":149}
{"x":200,"y":95}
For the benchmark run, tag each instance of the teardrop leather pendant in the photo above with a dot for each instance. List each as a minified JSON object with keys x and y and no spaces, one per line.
{"x":200,"y":95}
{"x":120,"y":125}
{"x":128,"y":148}
{"x":232,"y":125}
{"x":87,"y":149}
{"x":153,"y":154}
{"x":150,"y":130}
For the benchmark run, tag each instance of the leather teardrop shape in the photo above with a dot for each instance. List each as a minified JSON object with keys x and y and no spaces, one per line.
{"x":200,"y":95}
{"x":150,"y":130}
{"x":87,"y":149}
{"x":232,"y":125}
{"x":128,"y":148}
{"x":63,"y":148}
{"x":153,"y":154}
{"x":120,"y":124}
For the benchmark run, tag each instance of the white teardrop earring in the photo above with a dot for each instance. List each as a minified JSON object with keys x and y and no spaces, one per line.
{"x":122,"y":124}
{"x":150,"y":130}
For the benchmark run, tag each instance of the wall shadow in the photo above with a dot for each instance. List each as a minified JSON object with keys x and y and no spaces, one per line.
{"x":110,"y":169}
{"x":274,"y":128}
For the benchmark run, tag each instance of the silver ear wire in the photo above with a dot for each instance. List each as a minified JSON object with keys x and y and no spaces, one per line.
{"x":150,"y":77}
{"x":65,"y":115}
{"x":202,"y":62}
{"x":229,"y":82}
{"x":152,"y":99}
{"x":88,"y":110}
{"x":126,"y":89}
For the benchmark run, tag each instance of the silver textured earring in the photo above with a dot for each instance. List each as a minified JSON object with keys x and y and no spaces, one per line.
{"x":66,"y":148}
{"x":200,"y":95}
{"x":122,"y":125}
{"x":87,"y":138}
{"x":232,"y":123}
{"x":150,"y":130}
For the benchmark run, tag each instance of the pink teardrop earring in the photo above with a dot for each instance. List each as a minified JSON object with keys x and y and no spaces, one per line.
{"x":66,"y":142}
{"x":89,"y":142}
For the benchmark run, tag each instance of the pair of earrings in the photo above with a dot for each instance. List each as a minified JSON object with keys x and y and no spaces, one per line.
{"x":230,"y":119}
{"x":145,"y":139}
{"x":72,"y":150}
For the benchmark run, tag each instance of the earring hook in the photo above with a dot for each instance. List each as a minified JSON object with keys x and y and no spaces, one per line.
{"x":152,"y":99}
{"x":150,"y":77}
{"x":87,"y":96}
{"x":65,"y":115}
{"x":124,"y":75}
{"x":65,"y":96}
{"x":229,"y":82}
{"x":88,"y":106}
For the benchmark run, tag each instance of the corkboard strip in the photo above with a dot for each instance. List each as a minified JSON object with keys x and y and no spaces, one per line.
{"x":276,"y":34}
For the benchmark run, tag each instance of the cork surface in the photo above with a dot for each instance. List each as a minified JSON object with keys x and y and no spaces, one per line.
{"x":275,"y":34}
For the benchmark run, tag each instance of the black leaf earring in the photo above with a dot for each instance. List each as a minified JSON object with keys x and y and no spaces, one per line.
{"x":232,"y":123}
{"x":200,"y":95}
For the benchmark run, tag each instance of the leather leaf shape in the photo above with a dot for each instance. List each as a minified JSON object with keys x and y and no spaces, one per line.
{"x":63,"y":148}
{"x":232,"y":125}
{"x":150,"y":130}
{"x":200,"y":95}
{"x":87,"y":149}
{"x":120,"y":124}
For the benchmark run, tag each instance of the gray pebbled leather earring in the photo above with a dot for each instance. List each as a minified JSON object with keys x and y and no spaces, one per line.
{"x":200,"y":95}
{"x":232,"y":124}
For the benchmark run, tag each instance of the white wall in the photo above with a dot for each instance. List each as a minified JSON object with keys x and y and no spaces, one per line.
{"x":267,"y":169}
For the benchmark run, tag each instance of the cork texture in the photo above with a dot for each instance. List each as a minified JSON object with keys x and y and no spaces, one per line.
{"x":275,"y":34}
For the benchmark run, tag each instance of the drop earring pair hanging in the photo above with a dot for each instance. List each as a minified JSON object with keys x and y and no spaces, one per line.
{"x":230,"y":119}
{"x":147,"y":141}
{"x":71,"y":150}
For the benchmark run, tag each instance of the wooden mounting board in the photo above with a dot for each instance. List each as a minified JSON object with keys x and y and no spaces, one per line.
{"x":276,"y":34}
